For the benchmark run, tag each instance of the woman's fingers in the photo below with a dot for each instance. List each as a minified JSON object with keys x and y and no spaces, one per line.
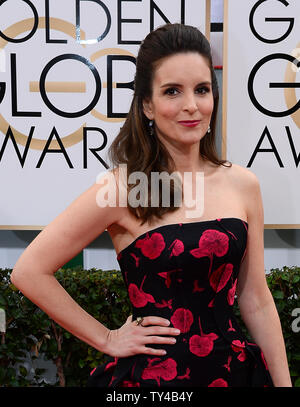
{"x":133,"y":338}
{"x":152,"y":320}
{"x":158,"y":330}
{"x":160,"y":339}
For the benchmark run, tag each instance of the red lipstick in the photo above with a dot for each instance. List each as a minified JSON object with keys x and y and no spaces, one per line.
{"x":189,"y":123}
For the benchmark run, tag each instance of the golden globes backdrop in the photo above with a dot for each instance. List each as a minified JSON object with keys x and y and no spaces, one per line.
{"x":66,"y":82}
{"x":261,"y":100}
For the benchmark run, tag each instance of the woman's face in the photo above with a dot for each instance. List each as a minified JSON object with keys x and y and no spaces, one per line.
{"x":182,"y":100}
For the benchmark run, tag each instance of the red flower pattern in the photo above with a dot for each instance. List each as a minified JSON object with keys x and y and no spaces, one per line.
{"x":177,"y":249}
{"x":264,"y":360}
{"x":152,"y":246}
{"x":227,"y":365}
{"x":231,"y":293}
{"x":197,"y":288}
{"x":166,"y":370}
{"x":138,"y":297}
{"x":230,"y":326}
{"x":239,"y":346}
{"x":186,"y":375}
{"x":111,"y":365}
{"x":211,"y":303}
{"x":167,"y":275}
{"x":182,"y":319}
{"x":212,"y":242}
{"x":137,"y":259}
{"x":218,"y":383}
{"x":202,"y":345}
{"x":164,"y":304}
{"x":220,"y":276}
{"x":129,"y":383}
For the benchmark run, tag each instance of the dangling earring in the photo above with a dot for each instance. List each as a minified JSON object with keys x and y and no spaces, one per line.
{"x":151,"y":130}
{"x":208,"y":130}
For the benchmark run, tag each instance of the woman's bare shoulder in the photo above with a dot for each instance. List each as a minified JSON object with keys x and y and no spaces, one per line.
{"x":112,"y":190}
{"x":242,"y":177}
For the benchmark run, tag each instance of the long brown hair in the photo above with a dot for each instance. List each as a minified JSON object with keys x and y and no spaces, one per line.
{"x":135,"y":146}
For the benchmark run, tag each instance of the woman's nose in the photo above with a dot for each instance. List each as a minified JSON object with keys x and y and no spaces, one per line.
{"x":190,"y":103}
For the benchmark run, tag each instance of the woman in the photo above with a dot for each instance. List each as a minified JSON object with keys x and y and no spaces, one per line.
{"x":181,"y":275}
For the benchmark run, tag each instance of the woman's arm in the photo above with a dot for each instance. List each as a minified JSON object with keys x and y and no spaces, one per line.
{"x":70,"y":232}
{"x":255,"y":300}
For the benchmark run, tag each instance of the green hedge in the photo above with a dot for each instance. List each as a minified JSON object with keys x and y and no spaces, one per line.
{"x":103,"y":295}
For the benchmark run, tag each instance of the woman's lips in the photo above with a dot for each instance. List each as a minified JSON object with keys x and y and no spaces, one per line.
{"x":189,"y":123}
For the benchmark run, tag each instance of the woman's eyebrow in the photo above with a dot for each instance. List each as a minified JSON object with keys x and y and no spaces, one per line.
{"x":170,"y":84}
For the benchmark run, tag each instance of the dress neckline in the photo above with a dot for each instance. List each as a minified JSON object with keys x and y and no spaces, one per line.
{"x":176,"y":224}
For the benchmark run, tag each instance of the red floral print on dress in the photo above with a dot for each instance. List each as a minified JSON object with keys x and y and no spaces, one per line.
{"x":263,"y":359}
{"x":93,"y":371}
{"x":177,"y":249}
{"x":212,"y":242}
{"x":261,"y":354}
{"x":218,"y":383}
{"x":211,"y":303}
{"x":112,"y":380}
{"x":166,"y":370}
{"x":202,"y":345}
{"x":220,"y":276}
{"x":186,"y":375}
{"x":232,"y":234}
{"x":197,"y":288}
{"x":137,"y":259}
{"x":167,"y":276}
{"x":245,"y":224}
{"x":239,"y":346}
{"x":138,"y":297}
{"x":164,"y":304}
{"x":242,"y":356}
{"x":152,"y":246}
{"x":164,"y":274}
{"x":245,"y":251}
{"x":182,"y":319}
{"x":231,"y":293}
{"x":129,"y":383}
{"x":227,"y":365}
{"x":111,"y":365}
{"x":230,"y":326}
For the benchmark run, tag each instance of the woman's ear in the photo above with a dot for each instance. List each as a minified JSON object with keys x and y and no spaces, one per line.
{"x":147,"y":109}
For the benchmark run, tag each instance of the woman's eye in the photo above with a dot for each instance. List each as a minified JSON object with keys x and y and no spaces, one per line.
{"x":171,"y":91}
{"x":203,"y":90}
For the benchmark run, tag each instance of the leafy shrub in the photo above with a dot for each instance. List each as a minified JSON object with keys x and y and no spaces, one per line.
{"x":284,"y":285}
{"x":103,"y":295}
{"x":100,"y":293}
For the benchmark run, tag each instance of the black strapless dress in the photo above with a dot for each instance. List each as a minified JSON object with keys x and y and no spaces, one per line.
{"x":187,"y":273}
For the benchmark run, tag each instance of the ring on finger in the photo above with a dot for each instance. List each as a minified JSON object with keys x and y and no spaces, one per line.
{"x":139,"y":320}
